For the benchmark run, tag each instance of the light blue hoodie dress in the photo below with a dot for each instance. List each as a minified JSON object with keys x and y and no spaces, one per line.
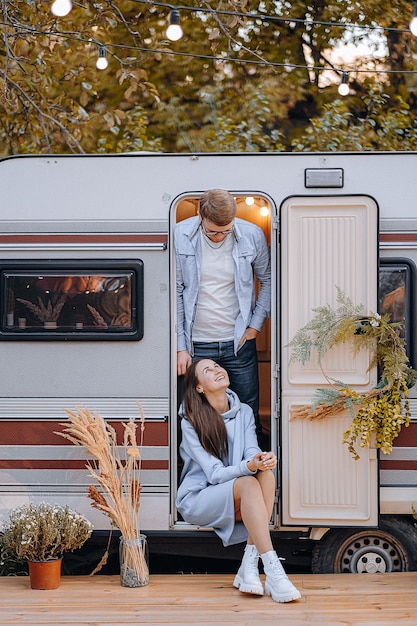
{"x":205,"y":493}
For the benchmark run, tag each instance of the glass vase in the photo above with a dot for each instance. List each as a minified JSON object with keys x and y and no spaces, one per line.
{"x":134,"y":562}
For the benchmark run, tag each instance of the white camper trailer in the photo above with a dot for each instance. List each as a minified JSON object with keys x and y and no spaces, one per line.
{"x":88,"y":318}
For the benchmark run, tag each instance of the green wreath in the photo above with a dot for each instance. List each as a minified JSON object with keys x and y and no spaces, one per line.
{"x":381,"y":411}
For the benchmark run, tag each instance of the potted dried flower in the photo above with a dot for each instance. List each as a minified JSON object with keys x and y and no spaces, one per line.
{"x":116,"y":470}
{"x":40,"y":534}
{"x":48,"y":314}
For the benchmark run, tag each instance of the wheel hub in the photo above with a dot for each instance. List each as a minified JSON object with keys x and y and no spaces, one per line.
{"x":371,"y":555}
{"x":370,"y":563}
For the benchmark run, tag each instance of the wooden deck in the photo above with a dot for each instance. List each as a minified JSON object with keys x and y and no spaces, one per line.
{"x":210,"y":599}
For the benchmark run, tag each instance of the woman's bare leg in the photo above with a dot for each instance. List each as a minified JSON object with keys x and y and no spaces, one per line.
{"x":254,"y":499}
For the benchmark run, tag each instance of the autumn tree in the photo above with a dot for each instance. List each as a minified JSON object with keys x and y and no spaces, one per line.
{"x":246,"y":75}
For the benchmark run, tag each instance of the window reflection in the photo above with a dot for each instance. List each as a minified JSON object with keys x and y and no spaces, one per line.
{"x":86,"y":301}
{"x":39,"y":301}
{"x":392,"y":294}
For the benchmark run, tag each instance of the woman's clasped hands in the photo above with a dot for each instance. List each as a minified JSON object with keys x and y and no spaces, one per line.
{"x":263,"y":461}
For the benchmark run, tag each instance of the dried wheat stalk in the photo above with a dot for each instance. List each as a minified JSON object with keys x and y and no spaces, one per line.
{"x":97,"y":318}
{"x":117,"y":478}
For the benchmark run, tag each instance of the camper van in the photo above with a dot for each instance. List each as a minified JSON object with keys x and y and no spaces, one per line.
{"x":88,"y":319}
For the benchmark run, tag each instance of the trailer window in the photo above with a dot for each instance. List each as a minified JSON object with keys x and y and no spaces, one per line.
{"x":396,"y":281}
{"x":71,"y":300}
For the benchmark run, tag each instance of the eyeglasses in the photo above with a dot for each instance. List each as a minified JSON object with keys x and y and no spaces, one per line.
{"x":213,"y":233}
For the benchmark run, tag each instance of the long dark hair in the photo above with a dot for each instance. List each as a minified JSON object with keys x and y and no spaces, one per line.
{"x":206,"y":421}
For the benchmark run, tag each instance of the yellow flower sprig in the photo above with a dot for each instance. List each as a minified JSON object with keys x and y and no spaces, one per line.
{"x":378,"y":414}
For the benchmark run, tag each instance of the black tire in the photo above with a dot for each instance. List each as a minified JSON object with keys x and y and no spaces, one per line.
{"x":392,"y":547}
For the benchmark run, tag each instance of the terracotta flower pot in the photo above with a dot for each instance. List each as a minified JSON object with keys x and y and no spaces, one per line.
{"x":45,"y":574}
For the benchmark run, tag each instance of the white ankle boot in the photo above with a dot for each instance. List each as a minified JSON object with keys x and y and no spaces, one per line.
{"x":247,"y":578}
{"x":277,"y":584}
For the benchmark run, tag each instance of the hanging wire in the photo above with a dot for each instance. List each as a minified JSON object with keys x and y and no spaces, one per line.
{"x":225,"y":58}
{"x":270,"y":18}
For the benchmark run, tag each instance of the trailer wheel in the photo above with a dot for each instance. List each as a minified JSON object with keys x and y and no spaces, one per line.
{"x":390,"y":548}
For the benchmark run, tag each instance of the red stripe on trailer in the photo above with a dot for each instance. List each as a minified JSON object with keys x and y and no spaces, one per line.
{"x":64,"y":464}
{"x":397,"y":464}
{"x":407,"y":437}
{"x":386,"y":237}
{"x":42,"y":433}
{"x":75,"y":238}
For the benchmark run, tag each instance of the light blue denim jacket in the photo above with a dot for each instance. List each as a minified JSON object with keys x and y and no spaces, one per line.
{"x":250,"y":256}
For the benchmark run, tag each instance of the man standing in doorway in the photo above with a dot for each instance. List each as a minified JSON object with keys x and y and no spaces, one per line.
{"x":218,"y":314}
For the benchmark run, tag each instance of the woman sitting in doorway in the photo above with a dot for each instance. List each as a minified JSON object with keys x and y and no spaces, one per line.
{"x":227,"y":481}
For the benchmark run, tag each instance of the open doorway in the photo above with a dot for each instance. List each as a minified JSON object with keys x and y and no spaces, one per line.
{"x":255,"y":209}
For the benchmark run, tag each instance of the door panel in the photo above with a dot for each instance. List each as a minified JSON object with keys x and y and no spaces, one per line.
{"x":326,"y":242}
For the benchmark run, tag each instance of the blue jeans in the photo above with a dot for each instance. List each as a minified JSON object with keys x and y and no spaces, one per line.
{"x":242,"y":370}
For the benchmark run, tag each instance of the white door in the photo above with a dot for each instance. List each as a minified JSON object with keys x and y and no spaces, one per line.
{"x":326,"y":242}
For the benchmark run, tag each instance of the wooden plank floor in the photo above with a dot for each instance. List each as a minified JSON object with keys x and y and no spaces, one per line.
{"x":210,"y":599}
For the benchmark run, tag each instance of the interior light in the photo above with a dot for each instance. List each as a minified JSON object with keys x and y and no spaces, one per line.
{"x":343,"y":88}
{"x":174,"y":30}
{"x":61,"y":8}
{"x":264,"y":211}
{"x":250,"y":200}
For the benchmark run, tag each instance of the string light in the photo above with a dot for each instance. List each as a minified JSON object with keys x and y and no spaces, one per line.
{"x":61,"y":8}
{"x":285,"y":66}
{"x":174,"y":30}
{"x":102,"y":62}
{"x":413,"y":23}
{"x":343,"y":88}
{"x":274,"y":18}
{"x":59,"y":4}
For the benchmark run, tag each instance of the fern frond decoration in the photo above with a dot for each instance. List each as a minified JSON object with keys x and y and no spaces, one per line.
{"x":379,"y":413}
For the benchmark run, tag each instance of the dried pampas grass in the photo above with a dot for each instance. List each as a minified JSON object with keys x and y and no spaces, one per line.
{"x":117,"y":475}
{"x":345,"y":400}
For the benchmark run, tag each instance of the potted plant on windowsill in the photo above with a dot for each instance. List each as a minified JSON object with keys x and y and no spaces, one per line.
{"x":40,"y":534}
{"x":48,"y":314}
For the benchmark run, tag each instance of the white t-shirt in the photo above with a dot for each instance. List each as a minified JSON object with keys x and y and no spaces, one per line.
{"x":217,"y":305}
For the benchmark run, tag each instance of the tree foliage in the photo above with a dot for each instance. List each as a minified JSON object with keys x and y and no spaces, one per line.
{"x":247,"y":76}
{"x":381,"y":123}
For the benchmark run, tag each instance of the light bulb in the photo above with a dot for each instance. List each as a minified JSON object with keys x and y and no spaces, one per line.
{"x":174,"y":30}
{"x":343,"y":88}
{"x":264,"y":211}
{"x":250,"y":200}
{"x":60,"y":8}
{"x":413,"y":23}
{"x":102,"y":61}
